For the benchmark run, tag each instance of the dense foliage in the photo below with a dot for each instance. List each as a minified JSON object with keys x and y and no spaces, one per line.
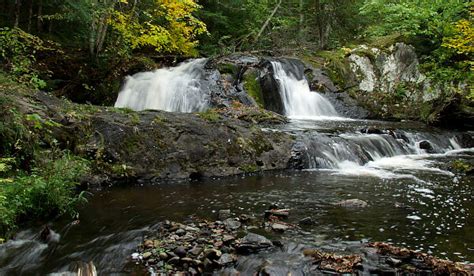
{"x":82,"y":49}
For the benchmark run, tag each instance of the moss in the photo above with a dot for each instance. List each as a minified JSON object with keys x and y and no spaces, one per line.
{"x":134,"y":118}
{"x":260,"y":144}
{"x":249,"y":168}
{"x":228,"y":68}
{"x":462,"y":166}
{"x":385,"y":42}
{"x":210,"y":115}
{"x":121,"y":110}
{"x":158,"y":120}
{"x":252,"y":87}
{"x":336,"y":64}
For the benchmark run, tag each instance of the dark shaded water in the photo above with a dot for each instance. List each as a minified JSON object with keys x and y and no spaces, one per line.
{"x":412,"y":201}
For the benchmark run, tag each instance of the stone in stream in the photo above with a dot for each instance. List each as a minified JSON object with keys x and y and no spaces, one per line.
{"x":226,"y":259}
{"x":148,"y":244}
{"x":352,"y":203}
{"x":180,"y":232}
{"x":279,"y":227}
{"x":212,"y":254}
{"x":196,"y":251}
{"x":147,"y":255}
{"x":173,"y":261}
{"x":232,"y":224}
{"x":371,"y":130}
{"x":180,"y":251}
{"x":306,"y":221}
{"x":224,"y":214}
{"x":425,"y":145}
{"x":281,"y":213}
{"x":253,"y":242}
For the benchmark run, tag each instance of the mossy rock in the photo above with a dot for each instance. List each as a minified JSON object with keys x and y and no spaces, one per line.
{"x":251,"y":85}
{"x":228,"y":68}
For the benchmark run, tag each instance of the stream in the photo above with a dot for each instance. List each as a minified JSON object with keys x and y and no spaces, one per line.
{"x":413,"y":201}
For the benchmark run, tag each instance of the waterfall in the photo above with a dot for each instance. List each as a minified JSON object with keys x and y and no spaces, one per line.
{"x":176,"y":89}
{"x":298,"y":100}
{"x":388,"y":155}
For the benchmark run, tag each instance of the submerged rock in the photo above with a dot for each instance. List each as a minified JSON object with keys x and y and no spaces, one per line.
{"x":352,"y":203}
{"x":253,"y":242}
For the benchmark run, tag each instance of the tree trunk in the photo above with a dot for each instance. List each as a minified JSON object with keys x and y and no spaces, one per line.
{"x":17,"y":13}
{"x":268,"y":20}
{"x":39,"y":20}
{"x":50,"y":26}
{"x":30,"y":15}
{"x":301,"y":23}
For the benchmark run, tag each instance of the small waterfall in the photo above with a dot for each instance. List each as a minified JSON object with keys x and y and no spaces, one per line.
{"x":298,"y":100}
{"x":388,"y":155}
{"x":176,"y":89}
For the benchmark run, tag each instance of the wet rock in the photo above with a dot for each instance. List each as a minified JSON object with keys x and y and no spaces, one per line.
{"x":281,"y":213}
{"x":196,"y":251}
{"x":232,"y":224}
{"x":253,"y":242}
{"x":227,"y":238}
{"x":180,"y":232}
{"x":173,"y":261}
{"x":163,"y":256}
{"x":334,"y":262}
{"x":224,"y":214}
{"x":180,"y":251}
{"x":212,"y":254}
{"x":393,"y":261}
{"x":226,"y":259}
{"x":352,"y":203}
{"x":147,"y":255}
{"x":426,"y":145}
{"x":187,"y":260}
{"x":372,"y":130}
{"x":306,"y":221}
{"x":148,"y":244}
{"x":191,"y":229}
{"x":279,"y":227}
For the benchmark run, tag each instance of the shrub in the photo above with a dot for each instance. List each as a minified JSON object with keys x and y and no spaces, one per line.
{"x":44,"y":192}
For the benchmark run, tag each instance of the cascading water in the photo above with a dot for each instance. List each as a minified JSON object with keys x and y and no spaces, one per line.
{"x":176,"y":89}
{"x":391,"y":154}
{"x":298,"y":100}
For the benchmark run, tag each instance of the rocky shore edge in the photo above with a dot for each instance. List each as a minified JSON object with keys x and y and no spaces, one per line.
{"x":236,"y":245}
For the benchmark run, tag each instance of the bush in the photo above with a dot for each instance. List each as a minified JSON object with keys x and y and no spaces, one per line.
{"x":43,"y":193}
{"x":18,"y":55}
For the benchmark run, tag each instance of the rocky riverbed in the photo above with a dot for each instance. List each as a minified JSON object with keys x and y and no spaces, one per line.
{"x":231,"y":246}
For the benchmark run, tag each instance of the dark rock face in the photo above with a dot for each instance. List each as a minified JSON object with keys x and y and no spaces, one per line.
{"x":231,"y":75}
{"x":162,"y":145}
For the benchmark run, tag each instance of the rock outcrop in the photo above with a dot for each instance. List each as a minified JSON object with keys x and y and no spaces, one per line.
{"x":158,"y":145}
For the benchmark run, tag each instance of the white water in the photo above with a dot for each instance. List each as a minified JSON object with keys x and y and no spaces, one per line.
{"x":383,"y":156}
{"x":174,"y":89}
{"x":298,"y":100}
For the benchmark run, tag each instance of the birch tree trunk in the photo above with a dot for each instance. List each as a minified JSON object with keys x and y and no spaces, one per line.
{"x":268,"y":20}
